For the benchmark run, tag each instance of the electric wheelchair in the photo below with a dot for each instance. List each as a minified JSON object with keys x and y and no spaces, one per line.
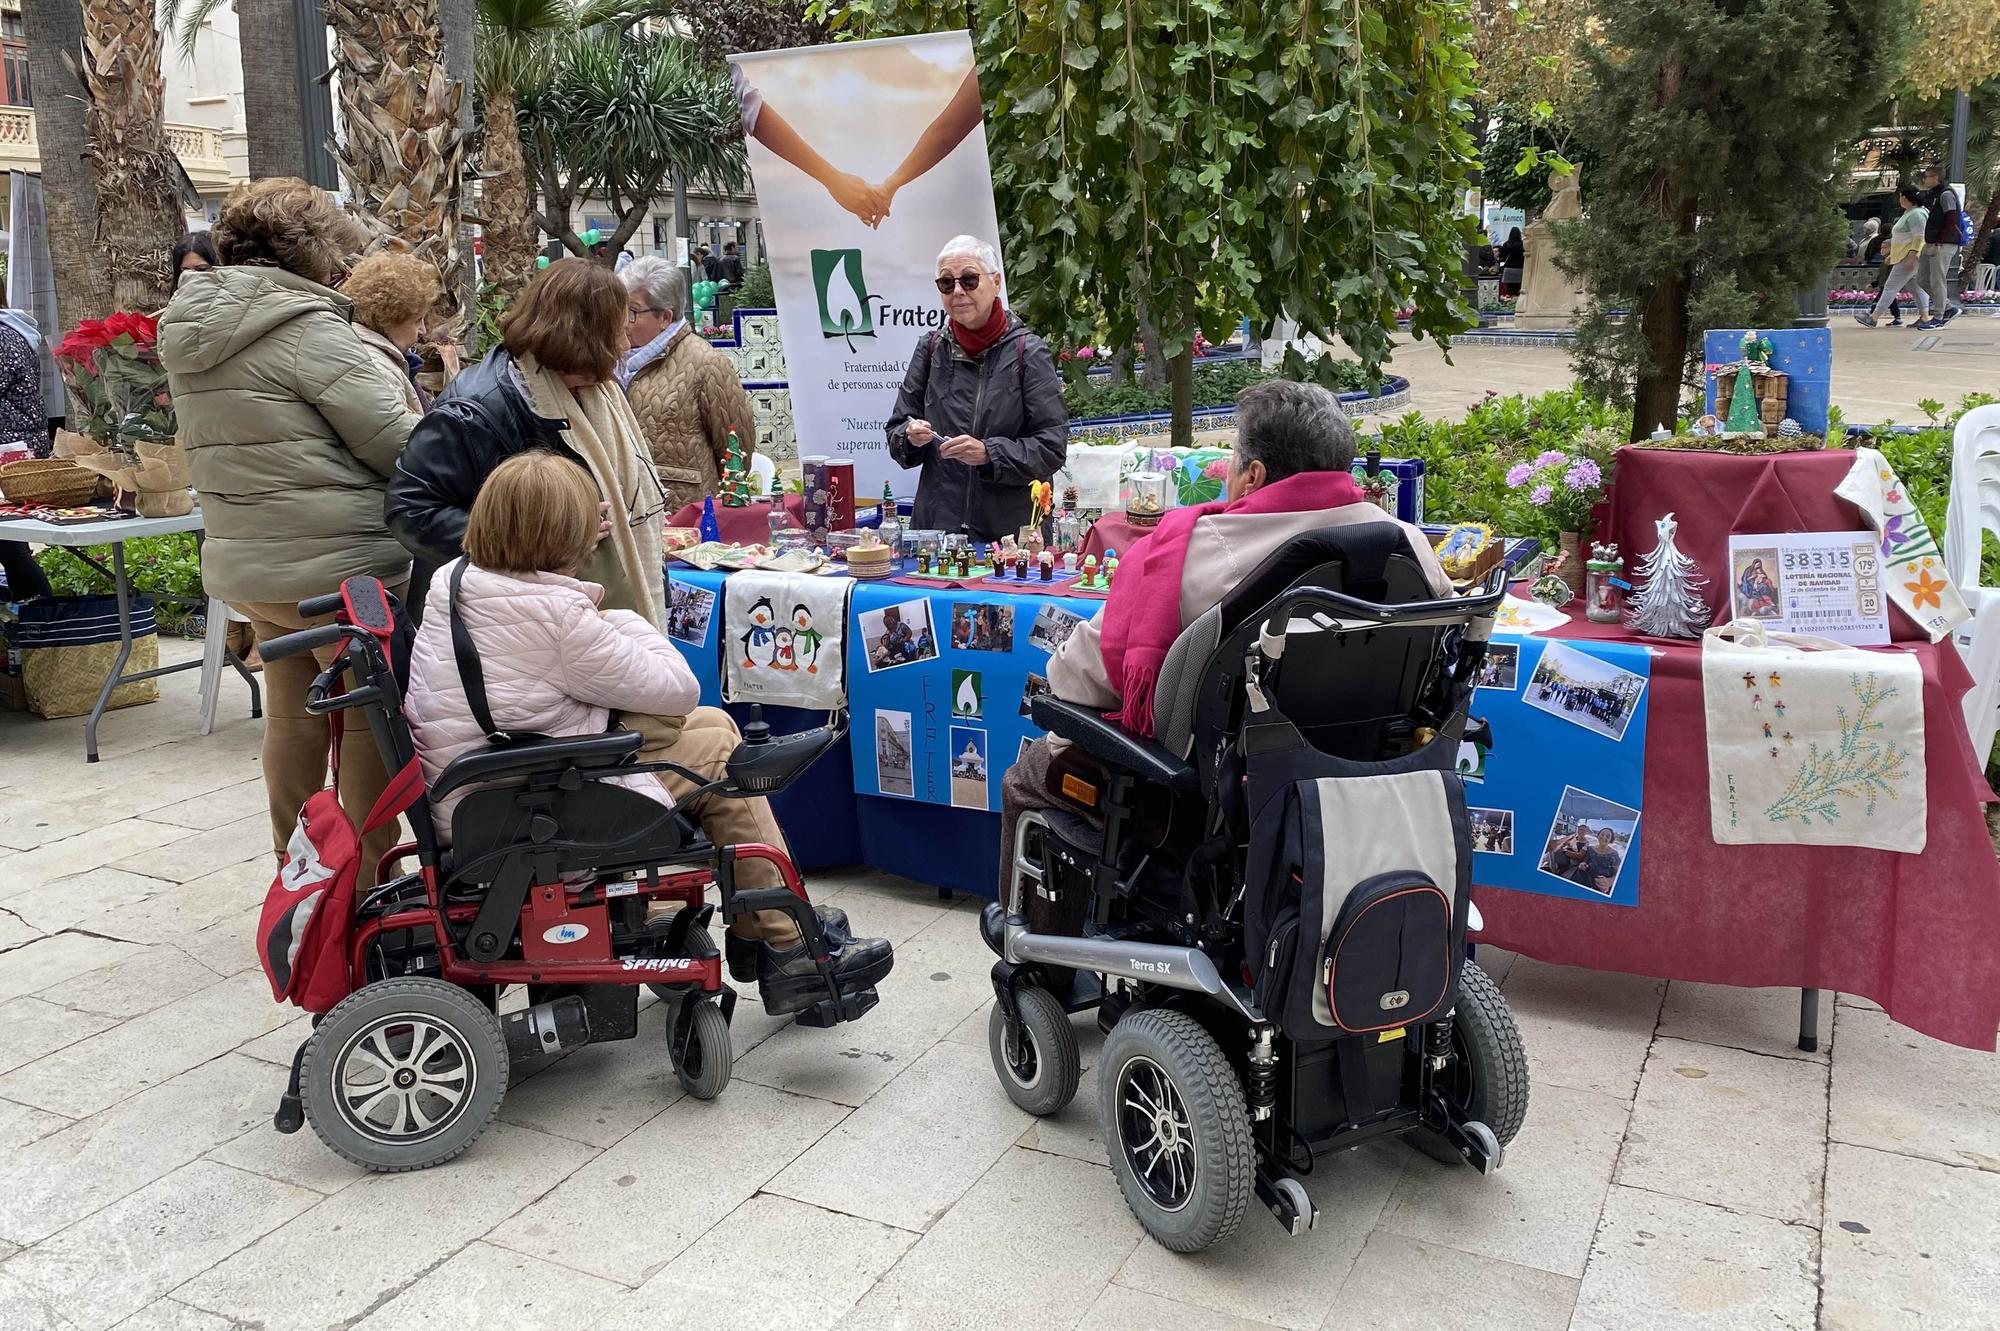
{"x":1271,"y":902}
{"x":545,"y":885}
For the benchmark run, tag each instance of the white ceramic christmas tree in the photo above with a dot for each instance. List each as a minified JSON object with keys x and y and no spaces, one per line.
{"x":1668,"y":601}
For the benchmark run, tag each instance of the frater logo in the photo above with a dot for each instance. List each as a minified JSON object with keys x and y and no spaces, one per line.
{"x":843,"y":295}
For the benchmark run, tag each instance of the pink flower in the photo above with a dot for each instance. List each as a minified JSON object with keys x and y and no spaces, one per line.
{"x":1582,"y":475}
{"x":1551,"y":457}
{"x":1518,"y":474}
{"x":1541,"y":495}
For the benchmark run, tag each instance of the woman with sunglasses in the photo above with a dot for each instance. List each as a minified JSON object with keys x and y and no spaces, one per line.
{"x":549,"y":385}
{"x":981,"y":410}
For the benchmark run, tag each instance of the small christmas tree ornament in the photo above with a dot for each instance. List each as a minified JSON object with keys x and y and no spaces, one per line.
{"x":1668,"y":603}
{"x":1743,"y":417}
{"x":736,"y":488}
{"x":711,"y":530}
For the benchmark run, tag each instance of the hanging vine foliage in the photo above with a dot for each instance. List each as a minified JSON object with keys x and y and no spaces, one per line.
{"x":1203,"y":160}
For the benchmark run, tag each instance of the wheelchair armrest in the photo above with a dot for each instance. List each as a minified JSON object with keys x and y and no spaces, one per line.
{"x":588,"y":752}
{"x":1110,"y":743}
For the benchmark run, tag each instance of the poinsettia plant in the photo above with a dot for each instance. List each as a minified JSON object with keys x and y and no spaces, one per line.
{"x":112,"y":367}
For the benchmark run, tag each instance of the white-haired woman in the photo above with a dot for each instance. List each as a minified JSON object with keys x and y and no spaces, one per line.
{"x":981,"y":410}
{"x":684,"y":392}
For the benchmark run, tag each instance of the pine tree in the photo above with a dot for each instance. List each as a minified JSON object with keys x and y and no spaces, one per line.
{"x":1721,"y":128}
{"x":1668,"y":603}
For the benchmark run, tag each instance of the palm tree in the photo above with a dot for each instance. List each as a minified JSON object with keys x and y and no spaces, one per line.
{"x":69,"y":197}
{"x":514,"y":47}
{"x":137,"y":175}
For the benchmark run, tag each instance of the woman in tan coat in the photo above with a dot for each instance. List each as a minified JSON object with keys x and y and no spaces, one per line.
{"x":684,"y":392}
{"x":393,"y":294}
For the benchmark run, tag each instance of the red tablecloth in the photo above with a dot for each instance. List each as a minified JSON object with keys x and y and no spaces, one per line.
{"x":1113,"y":532}
{"x":1918,"y":934}
{"x":749,"y":525}
{"x":1714,"y":494}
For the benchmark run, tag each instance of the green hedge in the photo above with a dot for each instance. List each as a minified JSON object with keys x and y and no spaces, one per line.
{"x":1214,"y":386}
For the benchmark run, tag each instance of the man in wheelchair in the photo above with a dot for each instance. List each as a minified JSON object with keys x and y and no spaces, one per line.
{"x":1246,"y":845}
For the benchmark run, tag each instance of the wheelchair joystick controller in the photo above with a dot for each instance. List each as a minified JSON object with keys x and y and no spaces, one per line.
{"x":756,"y":730}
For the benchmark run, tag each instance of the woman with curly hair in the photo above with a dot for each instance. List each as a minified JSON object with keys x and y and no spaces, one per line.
{"x":292,"y":433}
{"x":393,"y":294}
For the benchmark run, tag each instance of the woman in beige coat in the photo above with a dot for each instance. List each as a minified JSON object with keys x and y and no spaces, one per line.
{"x":291,"y":434}
{"x":393,"y":295}
{"x":684,"y":392}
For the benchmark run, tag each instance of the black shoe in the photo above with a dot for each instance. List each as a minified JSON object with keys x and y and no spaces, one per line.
{"x":741,"y":953}
{"x":790,"y":981}
{"x":1896,"y":322}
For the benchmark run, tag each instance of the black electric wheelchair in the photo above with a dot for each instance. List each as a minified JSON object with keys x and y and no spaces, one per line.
{"x":545,"y":885}
{"x":1269,"y":906}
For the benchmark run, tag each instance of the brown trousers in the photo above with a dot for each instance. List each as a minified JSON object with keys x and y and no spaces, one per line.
{"x":702,"y":742}
{"x":295,"y":742}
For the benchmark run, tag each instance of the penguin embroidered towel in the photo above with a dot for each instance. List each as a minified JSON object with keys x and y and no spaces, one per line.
{"x":784,"y":639}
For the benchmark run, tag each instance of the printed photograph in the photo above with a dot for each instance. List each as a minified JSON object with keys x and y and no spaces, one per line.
{"x":688,"y":611}
{"x":1754,"y":584}
{"x":893,"y":772}
{"x":898,"y":635}
{"x":1036,"y":685}
{"x":1492,"y":830}
{"x":968,"y":767}
{"x":1588,"y":840}
{"x":979,"y":627}
{"x":1503,"y":662}
{"x":1584,"y":691}
{"x":1052,"y":628}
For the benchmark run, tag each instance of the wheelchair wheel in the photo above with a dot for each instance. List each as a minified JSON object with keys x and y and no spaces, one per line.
{"x":704,"y":1063}
{"x":1487,"y":1078}
{"x":1176,"y":1129}
{"x":1040,"y":1069}
{"x":404,"y":1074}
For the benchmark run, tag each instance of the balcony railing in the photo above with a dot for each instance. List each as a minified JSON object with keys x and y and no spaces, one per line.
{"x":198,"y":146}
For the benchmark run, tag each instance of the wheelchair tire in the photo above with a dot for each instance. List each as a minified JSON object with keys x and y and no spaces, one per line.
{"x":1163,"y":1074}
{"x":1040,"y":1075}
{"x":705,"y":1069}
{"x":1488,"y":1078}
{"x":421,"y":1048}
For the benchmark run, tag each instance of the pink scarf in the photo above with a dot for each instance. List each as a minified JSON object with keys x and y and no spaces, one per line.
{"x":1143,"y":616}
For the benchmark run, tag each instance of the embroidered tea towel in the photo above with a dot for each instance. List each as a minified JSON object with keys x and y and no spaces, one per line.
{"x":1812,"y":742}
{"x":1912,"y":563}
{"x":784,"y":639}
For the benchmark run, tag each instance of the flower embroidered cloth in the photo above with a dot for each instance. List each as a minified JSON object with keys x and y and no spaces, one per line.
{"x":1912,"y":563}
{"x":1812,"y":742}
{"x":784,"y":639}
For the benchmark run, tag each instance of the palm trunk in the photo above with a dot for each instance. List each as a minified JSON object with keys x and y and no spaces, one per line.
{"x":69,"y":195}
{"x":138,"y":179}
{"x":458,"y":19}
{"x":401,"y":153}
{"x":509,"y":232}
{"x":268,"y":36}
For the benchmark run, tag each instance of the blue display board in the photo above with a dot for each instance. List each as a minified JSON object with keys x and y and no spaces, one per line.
{"x":1567,"y":764}
{"x":937,"y":684}
{"x":1806,"y":354}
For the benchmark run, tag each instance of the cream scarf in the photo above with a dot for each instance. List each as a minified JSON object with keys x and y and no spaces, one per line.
{"x":605,"y":434}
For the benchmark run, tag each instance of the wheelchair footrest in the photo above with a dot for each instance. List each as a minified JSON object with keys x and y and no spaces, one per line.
{"x":827,"y":1013}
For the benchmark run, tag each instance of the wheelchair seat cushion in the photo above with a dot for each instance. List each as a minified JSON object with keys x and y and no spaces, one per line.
{"x":585,"y":752}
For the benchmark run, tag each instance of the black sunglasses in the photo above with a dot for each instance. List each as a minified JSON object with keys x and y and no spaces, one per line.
{"x":966,"y":282}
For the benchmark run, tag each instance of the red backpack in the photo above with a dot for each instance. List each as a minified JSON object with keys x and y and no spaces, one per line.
{"x":308,"y":917}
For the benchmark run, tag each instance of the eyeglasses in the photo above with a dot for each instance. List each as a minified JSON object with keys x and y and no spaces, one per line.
{"x":966,"y":282}
{"x":633,"y":316}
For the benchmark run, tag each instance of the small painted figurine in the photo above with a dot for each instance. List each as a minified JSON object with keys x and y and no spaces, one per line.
{"x":1110,"y":570}
{"x":1090,"y":570}
{"x":1778,"y":707}
{"x":1048,"y":565}
{"x":1757,"y":700}
{"x":1788,"y":737}
{"x":924,"y":559}
{"x":1767,"y":730}
{"x":1069,"y":561}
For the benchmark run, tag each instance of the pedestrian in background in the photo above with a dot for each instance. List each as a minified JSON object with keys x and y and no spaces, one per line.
{"x":1906,"y":247}
{"x":1941,"y":204}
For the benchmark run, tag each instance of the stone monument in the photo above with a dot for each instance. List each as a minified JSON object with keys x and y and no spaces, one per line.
{"x":1550,"y":297}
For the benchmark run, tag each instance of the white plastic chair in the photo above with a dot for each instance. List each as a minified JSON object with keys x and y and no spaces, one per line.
{"x":214,"y":662}
{"x":1985,"y":276}
{"x":766,"y":470}
{"x":1973,"y":510}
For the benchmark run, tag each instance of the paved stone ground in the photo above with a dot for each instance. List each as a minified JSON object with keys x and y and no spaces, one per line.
{"x":1683,"y":1166}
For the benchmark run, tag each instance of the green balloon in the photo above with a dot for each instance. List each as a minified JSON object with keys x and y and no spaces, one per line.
{"x":542,"y":261}
{"x":591,"y":237}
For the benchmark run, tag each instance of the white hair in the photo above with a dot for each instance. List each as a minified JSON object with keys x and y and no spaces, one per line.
{"x":971,"y":247}
{"x":654,"y":279}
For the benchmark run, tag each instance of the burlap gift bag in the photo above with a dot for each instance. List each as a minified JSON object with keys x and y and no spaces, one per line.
{"x":154,"y":486}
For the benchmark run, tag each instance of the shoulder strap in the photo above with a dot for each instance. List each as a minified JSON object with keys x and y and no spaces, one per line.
{"x":470,"y":673}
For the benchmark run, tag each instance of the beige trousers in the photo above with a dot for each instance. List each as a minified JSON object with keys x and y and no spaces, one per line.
{"x":702,"y":742}
{"x":295,"y":742}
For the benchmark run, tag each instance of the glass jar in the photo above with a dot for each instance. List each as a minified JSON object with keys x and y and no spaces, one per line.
{"x":1146,"y":497}
{"x":1603,"y":591}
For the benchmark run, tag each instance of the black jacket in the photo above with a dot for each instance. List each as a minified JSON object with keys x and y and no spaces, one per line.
{"x":1010,"y":398}
{"x":1942,"y":226}
{"x":476,"y":424}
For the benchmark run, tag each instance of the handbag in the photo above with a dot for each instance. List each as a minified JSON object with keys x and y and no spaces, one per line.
{"x":1812,"y":742}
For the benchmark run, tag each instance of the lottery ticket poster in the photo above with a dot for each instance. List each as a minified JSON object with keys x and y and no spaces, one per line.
{"x":1823,"y":583}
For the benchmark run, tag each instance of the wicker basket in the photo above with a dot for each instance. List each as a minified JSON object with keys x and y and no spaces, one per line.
{"x":49,"y":481}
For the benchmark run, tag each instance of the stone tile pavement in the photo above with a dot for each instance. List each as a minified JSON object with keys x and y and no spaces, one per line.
{"x":1683,"y":1166}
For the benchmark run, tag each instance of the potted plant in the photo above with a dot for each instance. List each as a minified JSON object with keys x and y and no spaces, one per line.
{"x":112,"y":368}
{"x":1566,"y":486}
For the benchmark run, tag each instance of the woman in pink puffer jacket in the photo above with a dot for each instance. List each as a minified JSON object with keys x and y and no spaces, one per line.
{"x":555,"y":664}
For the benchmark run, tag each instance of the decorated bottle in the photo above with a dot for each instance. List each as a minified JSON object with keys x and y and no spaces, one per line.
{"x":892,"y":528}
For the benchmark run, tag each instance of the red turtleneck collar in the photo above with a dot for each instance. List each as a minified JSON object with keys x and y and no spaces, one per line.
{"x":975,"y":343}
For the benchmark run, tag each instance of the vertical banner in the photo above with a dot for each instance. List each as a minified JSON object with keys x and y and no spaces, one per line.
{"x":31,"y":278}
{"x":867,"y":158}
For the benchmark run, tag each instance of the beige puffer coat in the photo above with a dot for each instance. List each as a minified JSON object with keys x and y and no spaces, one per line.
{"x":291,"y":432}
{"x":554,"y":664}
{"x":687,"y":400}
